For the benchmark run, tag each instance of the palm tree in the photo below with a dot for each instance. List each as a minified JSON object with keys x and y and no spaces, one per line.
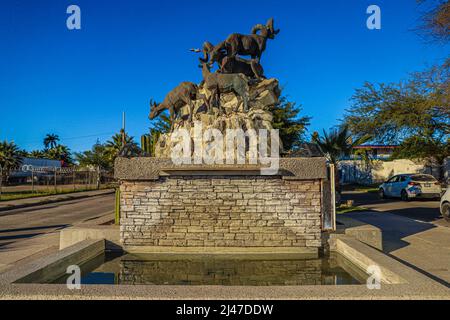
{"x":160,"y":126}
{"x":114,"y":145}
{"x":51,"y":141}
{"x":337,"y":144}
{"x":61,"y":153}
{"x":36,"y":154}
{"x":10,"y":158}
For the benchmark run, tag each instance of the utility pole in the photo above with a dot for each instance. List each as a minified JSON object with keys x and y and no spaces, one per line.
{"x":1,"y":181}
{"x":56,"y":189}
{"x":123,"y":129}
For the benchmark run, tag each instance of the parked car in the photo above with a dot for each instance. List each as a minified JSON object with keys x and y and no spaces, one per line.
{"x":445,"y":205}
{"x":411,"y":186}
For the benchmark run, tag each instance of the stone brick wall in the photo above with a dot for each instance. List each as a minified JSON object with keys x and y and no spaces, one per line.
{"x":221,"y":212}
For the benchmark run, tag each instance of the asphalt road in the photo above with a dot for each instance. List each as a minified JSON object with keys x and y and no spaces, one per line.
{"x":419,"y":210}
{"x":21,"y":224}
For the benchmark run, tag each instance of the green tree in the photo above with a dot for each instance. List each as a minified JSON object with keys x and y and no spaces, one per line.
{"x":435,"y":20}
{"x":36,"y":154}
{"x":51,"y":141}
{"x":414,"y":114}
{"x":10,"y":158}
{"x":115,"y":144}
{"x":61,"y":153}
{"x":292,"y":126}
{"x":337,"y":144}
{"x":159,"y":126}
{"x":96,"y":157}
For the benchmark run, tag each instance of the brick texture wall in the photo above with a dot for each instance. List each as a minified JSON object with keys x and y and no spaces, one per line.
{"x":221,"y":212}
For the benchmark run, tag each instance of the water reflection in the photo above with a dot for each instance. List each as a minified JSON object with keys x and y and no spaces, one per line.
{"x":147,"y":270}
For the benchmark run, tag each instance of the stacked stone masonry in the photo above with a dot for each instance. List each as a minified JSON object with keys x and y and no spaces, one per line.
{"x":221,"y":211}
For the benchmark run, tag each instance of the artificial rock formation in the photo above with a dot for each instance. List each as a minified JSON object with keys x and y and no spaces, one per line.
{"x":228,"y":113}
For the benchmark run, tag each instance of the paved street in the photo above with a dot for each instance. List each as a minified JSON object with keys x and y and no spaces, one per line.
{"x":420,"y":210}
{"x":25,"y":231}
{"x":413,"y":232}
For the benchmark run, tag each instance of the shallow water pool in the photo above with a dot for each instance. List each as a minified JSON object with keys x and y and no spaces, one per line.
{"x":131,"y":269}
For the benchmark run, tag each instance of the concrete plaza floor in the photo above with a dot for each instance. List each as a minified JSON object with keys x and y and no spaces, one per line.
{"x":28,"y":232}
{"x":423,"y":246}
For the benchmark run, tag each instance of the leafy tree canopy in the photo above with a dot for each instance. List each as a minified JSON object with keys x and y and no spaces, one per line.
{"x":10,"y":157}
{"x":414,"y":114}
{"x":115,"y":144}
{"x":337,"y":143}
{"x":96,"y":157}
{"x":292,"y":126}
{"x":435,"y":20}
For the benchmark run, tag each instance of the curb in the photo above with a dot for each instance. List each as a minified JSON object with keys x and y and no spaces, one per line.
{"x":49,"y":201}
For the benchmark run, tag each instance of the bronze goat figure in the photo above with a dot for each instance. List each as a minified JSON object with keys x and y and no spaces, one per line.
{"x":176,"y":99}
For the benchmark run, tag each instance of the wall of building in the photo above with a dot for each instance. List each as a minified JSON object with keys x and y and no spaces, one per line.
{"x":221,"y":211}
{"x":357,"y":171}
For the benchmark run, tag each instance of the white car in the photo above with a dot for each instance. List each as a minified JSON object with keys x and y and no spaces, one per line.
{"x":411,"y":186}
{"x":445,"y":205}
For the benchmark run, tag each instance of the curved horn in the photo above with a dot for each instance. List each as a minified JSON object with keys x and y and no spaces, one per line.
{"x":152,"y":108}
{"x":207,"y":48}
{"x":270,"y":24}
{"x":258,"y":27}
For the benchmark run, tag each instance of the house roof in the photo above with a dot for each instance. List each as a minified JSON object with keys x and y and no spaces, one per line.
{"x":376,"y":146}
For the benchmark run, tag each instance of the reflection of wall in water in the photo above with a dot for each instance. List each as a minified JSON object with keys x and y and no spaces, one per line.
{"x":222,"y":272}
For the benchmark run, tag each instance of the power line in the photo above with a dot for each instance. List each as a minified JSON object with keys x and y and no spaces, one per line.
{"x":74,"y":138}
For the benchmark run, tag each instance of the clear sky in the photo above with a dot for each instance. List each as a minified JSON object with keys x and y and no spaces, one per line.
{"x":77,"y":83}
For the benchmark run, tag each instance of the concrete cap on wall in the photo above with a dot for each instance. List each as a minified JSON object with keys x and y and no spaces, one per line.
{"x":147,"y":168}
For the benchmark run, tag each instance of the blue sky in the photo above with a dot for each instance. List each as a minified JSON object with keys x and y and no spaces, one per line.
{"x":77,"y":83}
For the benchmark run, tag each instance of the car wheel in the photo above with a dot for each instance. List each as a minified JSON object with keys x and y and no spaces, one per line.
{"x":446,"y":211}
{"x":404,"y":195}
{"x":381,"y":194}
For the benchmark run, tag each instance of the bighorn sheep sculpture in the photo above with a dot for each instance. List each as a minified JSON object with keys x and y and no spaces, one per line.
{"x":219,"y":83}
{"x":182,"y":95}
{"x":229,"y":64}
{"x":251,"y":45}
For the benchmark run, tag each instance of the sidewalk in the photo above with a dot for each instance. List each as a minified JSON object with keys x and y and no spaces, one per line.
{"x":24,"y":251}
{"x":23,"y":203}
{"x":421,"y":245}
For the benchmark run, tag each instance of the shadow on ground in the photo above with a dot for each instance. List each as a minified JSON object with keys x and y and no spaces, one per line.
{"x":394,"y":229}
{"x":24,"y":233}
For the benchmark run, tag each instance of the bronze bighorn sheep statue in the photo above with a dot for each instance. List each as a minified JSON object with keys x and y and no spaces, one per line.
{"x":233,"y":75}
{"x":176,"y":99}
{"x":229,"y":64}
{"x":219,"y":83}
{"x":252,"y":45}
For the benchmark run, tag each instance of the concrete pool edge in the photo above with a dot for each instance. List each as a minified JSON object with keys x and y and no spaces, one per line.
{"x":55,"y":263}
{"x":410,"y":283}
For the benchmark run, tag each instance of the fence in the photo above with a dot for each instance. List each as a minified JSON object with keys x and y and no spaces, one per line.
{"x":43,"y":181}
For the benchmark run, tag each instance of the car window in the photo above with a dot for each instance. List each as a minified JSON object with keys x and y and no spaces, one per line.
{"x":403,"y":178}
{"x":423,"y":178}
{"x":393,"y":179}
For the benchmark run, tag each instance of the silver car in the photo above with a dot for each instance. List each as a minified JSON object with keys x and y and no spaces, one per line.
{"x":445,"y":205}
{"x":411,"y":186}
